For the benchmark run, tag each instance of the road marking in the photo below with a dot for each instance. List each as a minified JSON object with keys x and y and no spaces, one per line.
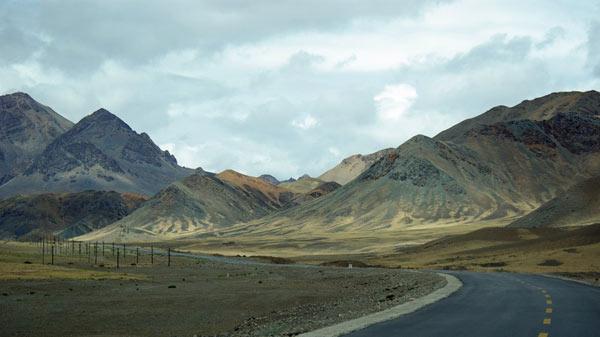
{"x":548,"y":310}
{"x":543,"y":334}
{"x":548,"y":302}
{"x":547,"y":321}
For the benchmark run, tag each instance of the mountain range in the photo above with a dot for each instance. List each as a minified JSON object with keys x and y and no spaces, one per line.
{"x":206,"y":202}
{"x":506,"y":164}
{"x":100,"y":152}
{"x":499,"y":165}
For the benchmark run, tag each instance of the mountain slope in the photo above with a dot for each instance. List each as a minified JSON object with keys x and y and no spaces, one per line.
{"x":303,"y":185}
{"x":539,"y":109}
{"x":477,"y":171}
{"x":579,"y":205}
{"x":201,"y":202}
{"x":65,"y":214}
{"x":352,"y":167}
{"x":101,"y":152}
{"x":269,"y":178}
{"x":26,"y":128}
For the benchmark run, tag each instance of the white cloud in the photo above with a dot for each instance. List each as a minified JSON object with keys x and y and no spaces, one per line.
{"x":305,"y":123}
{"x":394,"y":101}
{"x":273,"y":88}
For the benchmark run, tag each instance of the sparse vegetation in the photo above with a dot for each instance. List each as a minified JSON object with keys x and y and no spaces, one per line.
{"x":192,"y":296}
{"x":550,"y":263}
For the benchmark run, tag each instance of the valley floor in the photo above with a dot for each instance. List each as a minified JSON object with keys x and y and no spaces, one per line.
{"x":203,"y":296}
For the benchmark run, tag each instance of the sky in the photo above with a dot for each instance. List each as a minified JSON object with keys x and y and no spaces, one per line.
{"x":291,"y":87}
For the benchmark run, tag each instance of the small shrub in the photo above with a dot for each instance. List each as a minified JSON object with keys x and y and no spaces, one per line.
{"x":550,"y":263}
{"x":493,"y":264}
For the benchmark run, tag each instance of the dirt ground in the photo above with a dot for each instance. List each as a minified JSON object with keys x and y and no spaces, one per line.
{"x":571,"y":252}
{"x":192,"y":297}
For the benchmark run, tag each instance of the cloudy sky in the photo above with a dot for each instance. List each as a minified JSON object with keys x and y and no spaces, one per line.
{"x":293,"y":87}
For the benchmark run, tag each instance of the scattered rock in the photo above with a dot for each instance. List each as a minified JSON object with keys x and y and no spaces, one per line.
{"x":550,"y":263}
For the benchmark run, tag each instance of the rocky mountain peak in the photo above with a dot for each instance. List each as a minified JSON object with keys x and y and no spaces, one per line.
{"x":269,"y":178}
{"x":26,"y":128}
{"x":103,"y":119}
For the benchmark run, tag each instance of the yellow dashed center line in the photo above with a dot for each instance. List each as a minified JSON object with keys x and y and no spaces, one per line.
{"x":548,"y":320}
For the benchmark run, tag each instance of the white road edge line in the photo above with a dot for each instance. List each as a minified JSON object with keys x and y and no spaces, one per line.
{"x":452,"y":285}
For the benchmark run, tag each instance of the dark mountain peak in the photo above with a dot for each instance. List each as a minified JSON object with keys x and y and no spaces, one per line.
{"x":26,"y":128}
{"x":103,"y":118}
{"x":418,"y":140}
{"x":15,"y":96}
{"x":103,"y":113}
{"x":269,"y":179}
{"x":538,"y":109}
{"x":304,"y":176}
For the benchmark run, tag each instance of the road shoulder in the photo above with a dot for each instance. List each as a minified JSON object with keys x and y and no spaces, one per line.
{"x":452,"y":285}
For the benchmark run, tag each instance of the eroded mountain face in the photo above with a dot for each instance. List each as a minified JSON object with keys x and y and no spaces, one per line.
{"x":63,"y":214}
{"x":26,"y":128}
{"x":499,"y":165}
{"x":101,"y":152}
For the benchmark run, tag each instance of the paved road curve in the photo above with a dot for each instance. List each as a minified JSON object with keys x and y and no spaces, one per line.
{"x":502,"y":305}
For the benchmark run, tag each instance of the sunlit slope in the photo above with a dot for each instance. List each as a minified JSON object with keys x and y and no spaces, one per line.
{"x":476,"y":172}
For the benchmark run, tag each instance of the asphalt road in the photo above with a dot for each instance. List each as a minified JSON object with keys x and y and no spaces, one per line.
{"x":502,"y":305}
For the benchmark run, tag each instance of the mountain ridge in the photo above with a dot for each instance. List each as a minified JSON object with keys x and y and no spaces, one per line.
{"x":26,"y":128}
{"x":100,"y":152}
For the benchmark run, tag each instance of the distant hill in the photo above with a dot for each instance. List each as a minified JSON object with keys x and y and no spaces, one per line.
{"x":100,"y":152}
{"x":321,"y":190}
{"x":206,"y":202}
{"x":303,"y":185}
{"x":200,"y":202}
{"x":64,"y":214}
{"x":269,"y":178}
{"x":579,"y":205}
{"x":499,"y":165}
{"x":352,"y":167}
{"x":26,"y":128}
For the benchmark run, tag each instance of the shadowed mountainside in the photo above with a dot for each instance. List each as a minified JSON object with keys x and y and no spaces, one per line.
{"x":26,"y":128}
{"x":579,"y":205}
{"x":63,"y":214}
{"x":101,"y":152}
